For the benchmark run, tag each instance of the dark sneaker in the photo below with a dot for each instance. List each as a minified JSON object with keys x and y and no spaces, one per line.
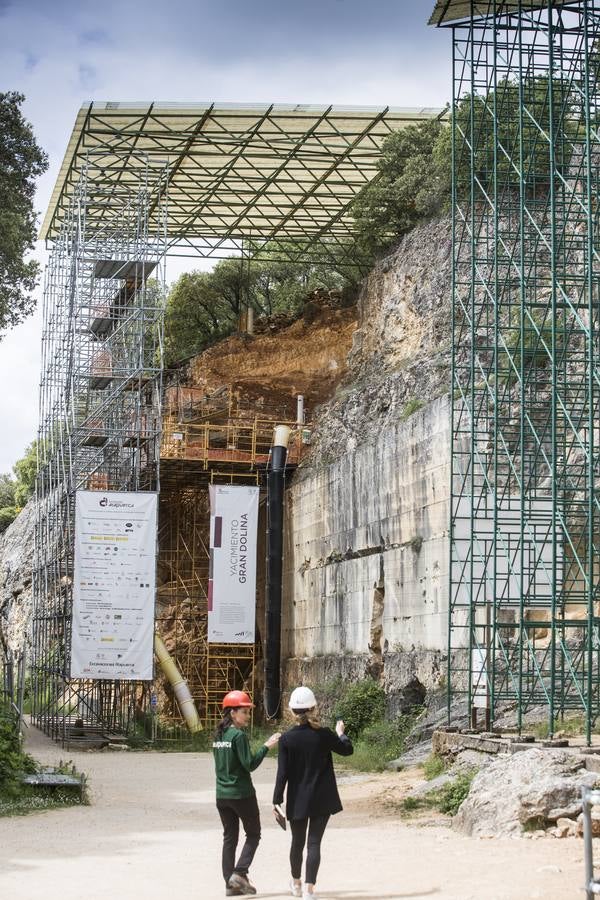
{"x":233,"y":892}
{"x":241,"y":883}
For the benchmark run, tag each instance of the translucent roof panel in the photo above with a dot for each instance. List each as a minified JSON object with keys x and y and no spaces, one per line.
{"x":236,"y":171}
{"x":447,"y":11}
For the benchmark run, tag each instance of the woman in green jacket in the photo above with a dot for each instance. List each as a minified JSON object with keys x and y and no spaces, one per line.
{"x":236,"y":797}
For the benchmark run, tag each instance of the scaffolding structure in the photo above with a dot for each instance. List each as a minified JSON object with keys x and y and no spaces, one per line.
{"x":525,"y":535}
{"x":209,"y":669}
{"x":242,"y":180}
{"x":100,"y":397}
{"x":209,"y":437}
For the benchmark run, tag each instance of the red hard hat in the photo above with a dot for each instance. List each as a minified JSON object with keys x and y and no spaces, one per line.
{"x":235,"y":699}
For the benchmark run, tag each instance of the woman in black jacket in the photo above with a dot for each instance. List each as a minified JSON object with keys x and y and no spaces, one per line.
{"x":306,"y":766}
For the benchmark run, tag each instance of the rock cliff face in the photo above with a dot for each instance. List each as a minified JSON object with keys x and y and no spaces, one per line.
{"x":366,"y":566}
{"x":400,"y":356}
{"x":16,"y":561}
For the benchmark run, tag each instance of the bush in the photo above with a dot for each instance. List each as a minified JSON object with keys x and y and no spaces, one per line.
{"x":433,"y":766}
{"x":451,"y":795}
{"x":8,"y":514}
{"x":380,"y":742}
{"x":13,"y":762}
{"x":414,"y":184}
{"x":362,"y":704}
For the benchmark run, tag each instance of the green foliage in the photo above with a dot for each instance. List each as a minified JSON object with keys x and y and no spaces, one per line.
{"x":8,"y":514}
{"x":361,"y":704}
{"x":413,"y":183}
{"x":532,"y":343}
{"x":411,"y":407}
{"x":449,"y":797}
{"x":517,"y":119}
{"x":204,"y":307}
{"x":15,"y":492}
{"x":410,"y":804}
{"x":18,"y":799}
{"x":13,"y":762}
{"x":25,"y":470}
{"x":7,"y":491}
{"x":195,"y":316}
{"x":21,"y":162}
{"x":433,"y":766}
{"x":380,"y":742}
{"x":505,"y":134}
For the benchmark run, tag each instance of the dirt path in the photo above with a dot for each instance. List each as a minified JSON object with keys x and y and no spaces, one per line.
{"x":152,"y":833}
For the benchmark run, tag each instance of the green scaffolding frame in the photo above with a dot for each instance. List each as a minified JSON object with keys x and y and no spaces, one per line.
{"x":525,"y":496}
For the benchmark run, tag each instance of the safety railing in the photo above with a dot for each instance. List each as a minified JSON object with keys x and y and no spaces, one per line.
{"x":244,"y":442}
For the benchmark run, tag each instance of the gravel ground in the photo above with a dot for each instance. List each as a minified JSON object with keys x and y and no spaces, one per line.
{"x":152,"y":832}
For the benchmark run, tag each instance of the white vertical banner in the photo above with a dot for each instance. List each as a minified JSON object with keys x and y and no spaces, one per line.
{"x":479,"y":678}
{"x":114,"y":585}
{"x":232,"y":574}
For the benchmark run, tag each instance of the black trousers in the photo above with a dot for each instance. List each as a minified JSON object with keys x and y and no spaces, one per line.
{"x":316,"y":828}
{"x":231,"y":812}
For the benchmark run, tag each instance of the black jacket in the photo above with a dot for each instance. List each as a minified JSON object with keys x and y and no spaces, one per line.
{"x":306,"y":766}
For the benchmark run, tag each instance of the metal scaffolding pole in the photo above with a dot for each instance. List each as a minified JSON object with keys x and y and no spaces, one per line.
{"x":99,"y":410}
{"x":525,"y":538}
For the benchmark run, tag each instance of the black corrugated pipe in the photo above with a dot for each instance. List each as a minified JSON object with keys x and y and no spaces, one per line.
{"x":275,"y":486}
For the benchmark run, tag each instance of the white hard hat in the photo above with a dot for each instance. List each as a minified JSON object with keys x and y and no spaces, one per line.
{"x":302,"y":698}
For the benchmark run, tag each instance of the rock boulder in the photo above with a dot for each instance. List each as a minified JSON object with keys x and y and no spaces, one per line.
{"x":533,"y":788}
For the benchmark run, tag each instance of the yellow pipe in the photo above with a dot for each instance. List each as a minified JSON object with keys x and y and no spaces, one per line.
{"x":178,"y":683}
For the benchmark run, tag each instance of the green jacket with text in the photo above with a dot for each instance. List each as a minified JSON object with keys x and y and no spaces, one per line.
{"x":233,"y":763}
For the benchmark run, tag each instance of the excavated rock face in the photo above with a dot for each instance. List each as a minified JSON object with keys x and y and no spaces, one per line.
{"x":531,"y":789}
{"x":401,"y":351}
{"x":366,"y":562}
{"x":268,"y":370}
{"x":16,"y":563}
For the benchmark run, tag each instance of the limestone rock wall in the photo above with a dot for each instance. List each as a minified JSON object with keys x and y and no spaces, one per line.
{"x":366,"y":562}
{"x":366,"y":565}
{"x":16,"y":597}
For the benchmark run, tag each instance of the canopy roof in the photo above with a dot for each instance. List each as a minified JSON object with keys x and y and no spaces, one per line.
{"x":236,"y":172}
{"x":447,"y":11}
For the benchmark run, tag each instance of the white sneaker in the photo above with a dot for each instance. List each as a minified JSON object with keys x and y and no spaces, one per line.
{"x":296,"y":889}
{"x":307,"y":896}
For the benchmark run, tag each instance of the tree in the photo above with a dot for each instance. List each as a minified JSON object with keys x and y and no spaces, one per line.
{"x":16,"y":491}
{"x":7,"y":490}
{"x":414,"y":182}
{"x":196,"y":316}
{"x":25,"y":470}
{"x":21,"y":162}
{"x":204,"y":307}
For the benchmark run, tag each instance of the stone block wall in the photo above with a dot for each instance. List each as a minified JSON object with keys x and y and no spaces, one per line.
{"x":366,"y":559}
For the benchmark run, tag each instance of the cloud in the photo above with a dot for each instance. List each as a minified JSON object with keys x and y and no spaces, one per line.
{"x":88,"y":78}
{"x":95,"y":37}
{"x":314,"y":51}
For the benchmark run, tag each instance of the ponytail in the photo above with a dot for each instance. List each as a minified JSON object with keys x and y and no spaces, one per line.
{"x":225,"y":723}
{"x":307,"y":717}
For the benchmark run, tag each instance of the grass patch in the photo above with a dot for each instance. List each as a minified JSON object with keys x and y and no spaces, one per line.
{"x":381,"y":742}
{"x":446,"y":800}
{"x":30,"y":800}
{"x":570,"y":727}
{"x":449,"y":797}
{"x":411,"y":407}
{"x":433,"y":766}
{"x":411,"y":804}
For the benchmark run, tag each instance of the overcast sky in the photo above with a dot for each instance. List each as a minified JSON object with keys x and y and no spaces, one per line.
{"x":61,"y":54}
